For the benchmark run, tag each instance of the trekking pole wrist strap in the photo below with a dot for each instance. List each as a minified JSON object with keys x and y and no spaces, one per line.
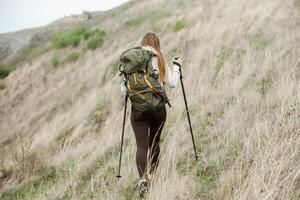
{"x":176,"y":63}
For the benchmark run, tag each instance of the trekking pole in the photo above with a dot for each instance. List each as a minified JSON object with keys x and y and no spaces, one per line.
{"x":122,"y":137}
{"x":188,"y":114}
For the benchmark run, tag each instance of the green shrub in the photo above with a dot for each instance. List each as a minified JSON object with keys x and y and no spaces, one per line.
{"x":60,"y":41}
{"x":79,"y":31}
{"x":178,"y":25}
{"x":70,"y":39}
{"x":73,"y":56}
{"x":74,"y":40}
{"x":94,"y":37}
{"x":134,"y":22}
{"x":205,"y":184}
{"x":87,"y":34}
{"x":55,"y":61}
{"x":95,"y":32}
{"x":98,"y":33}
{"x":5,"y":71}
{"x":95,"y":42}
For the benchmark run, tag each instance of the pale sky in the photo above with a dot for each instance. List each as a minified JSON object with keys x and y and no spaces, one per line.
{"x":21,"y":14}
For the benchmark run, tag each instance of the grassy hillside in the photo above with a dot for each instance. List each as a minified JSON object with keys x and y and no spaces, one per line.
{"x":61,"y":112}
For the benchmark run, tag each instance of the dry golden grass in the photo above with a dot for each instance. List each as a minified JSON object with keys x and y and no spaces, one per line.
{"x":242,"y":82}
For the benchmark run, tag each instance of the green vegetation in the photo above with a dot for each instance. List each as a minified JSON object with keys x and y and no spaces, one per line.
{"x":258,"y":41}
{"x":98,"y":165}
{"x":99,"y":32}
{"x":178,"y":25}
{"x":79,"y":31}
{"x":95,"y":42}
{"x":55,"y":61}
{"x":96,"y":33}
{"x":134,"y":22}
{"x":297,"y":3}
{"x":206,"y":182}
{"x":62,"y":41}
{"x":38,"y":185}
{"x":34,"y":187}
{"x":73,"y":38}
{"x":96,"y":39}
{"x":5,"y":71}
{"x":73,"y":57}
{"x":128,"y":192}
{"x":182,"y":165}
{"x":225,"y":159}
{"x":87,"y":34}
{"x":185,"y":163}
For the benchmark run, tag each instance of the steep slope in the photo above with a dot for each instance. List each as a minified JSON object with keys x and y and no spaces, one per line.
{"x":60,"y":126}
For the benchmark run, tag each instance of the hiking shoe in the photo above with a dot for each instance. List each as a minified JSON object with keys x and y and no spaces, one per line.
{"x":143,"y":187}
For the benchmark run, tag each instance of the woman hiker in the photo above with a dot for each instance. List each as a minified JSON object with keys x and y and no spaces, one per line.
{"x":147,"y":127}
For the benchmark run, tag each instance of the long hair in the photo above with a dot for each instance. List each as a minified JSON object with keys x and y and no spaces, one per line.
{"x":151,"y":39}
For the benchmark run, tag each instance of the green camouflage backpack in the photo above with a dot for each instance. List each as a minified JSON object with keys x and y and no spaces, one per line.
{"x":141,"y":80}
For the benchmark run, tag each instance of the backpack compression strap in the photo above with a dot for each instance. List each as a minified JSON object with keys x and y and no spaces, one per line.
{"x":130,"y":90}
